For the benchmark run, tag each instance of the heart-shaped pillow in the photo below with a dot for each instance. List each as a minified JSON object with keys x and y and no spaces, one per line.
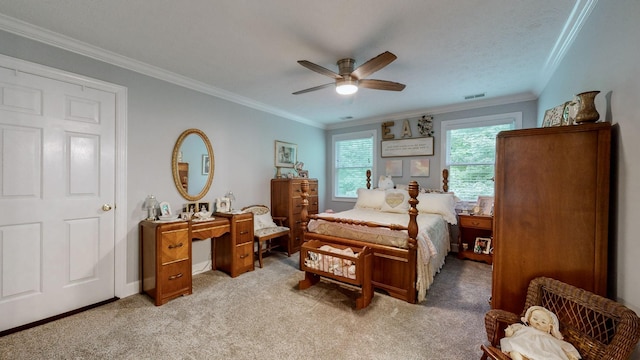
{"x":396,"y":201}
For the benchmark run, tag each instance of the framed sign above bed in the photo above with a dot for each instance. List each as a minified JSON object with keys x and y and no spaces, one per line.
{"x":407,"y":147}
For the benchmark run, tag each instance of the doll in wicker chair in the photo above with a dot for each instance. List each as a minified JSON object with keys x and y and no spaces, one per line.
{"x":538,"y":338}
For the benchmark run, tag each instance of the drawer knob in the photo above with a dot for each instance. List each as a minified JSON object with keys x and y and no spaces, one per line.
{"x":243,"y":232}
{"x":243,"y":256}
{"x":173,"y":246}
{"x":176,"y":276}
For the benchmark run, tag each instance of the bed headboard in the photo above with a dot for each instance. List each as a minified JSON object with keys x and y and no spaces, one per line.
{"x":445,"y":180}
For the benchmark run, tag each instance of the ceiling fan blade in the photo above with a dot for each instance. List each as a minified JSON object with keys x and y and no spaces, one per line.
{"x":373,"y":65}
{"x":319,"y":69}
{"x":381,"y":85}
{"x":313,"y":88}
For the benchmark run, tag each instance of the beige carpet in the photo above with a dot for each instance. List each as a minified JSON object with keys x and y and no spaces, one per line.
{"x":262,"y":315}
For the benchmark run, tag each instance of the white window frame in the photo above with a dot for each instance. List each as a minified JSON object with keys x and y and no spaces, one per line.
{"x":351,"y":136}
{"x":488,"y":120}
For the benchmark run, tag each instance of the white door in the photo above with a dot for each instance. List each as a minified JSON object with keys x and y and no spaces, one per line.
{"x":56,"y":173}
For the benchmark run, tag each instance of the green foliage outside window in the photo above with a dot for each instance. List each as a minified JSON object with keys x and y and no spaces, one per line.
{"x":353,"y":158}
{"x":472,"y":160}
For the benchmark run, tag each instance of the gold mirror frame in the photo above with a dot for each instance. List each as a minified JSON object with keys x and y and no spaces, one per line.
{"x":174,"y":164}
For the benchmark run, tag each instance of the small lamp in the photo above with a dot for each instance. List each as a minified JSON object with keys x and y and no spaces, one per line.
{"x":150,"y":203}
{"x":231,"y":198}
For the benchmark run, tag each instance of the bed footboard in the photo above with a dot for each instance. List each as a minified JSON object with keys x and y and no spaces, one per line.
{"x":394,"y":269}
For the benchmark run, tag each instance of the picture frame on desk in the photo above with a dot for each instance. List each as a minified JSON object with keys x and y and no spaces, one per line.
{"x":482,"y":245}
{"x":190,"y":207}
{"x":165,"y":209}
{"x":222,"y":204}
{"x":204,"y":206}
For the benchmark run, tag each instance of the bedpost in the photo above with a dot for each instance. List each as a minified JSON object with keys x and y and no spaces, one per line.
{"x":368,"y":179}
{"x":413,"y":213}
{"x":304,"y":213}
{"x":445,"y":180}
{"x":412,"y":241}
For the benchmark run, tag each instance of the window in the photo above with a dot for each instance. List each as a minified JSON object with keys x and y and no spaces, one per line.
{"x":469,"y":151}
{"x":353,"y":155}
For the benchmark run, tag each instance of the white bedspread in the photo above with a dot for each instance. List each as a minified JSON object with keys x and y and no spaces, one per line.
{"x":433,"y":237}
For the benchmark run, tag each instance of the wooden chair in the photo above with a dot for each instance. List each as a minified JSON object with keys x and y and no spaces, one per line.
{"x":598,"y":327}
{"x":265,"y":229}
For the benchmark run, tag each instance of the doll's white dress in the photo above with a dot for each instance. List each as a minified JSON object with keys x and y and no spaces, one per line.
{"x":536,"y":344}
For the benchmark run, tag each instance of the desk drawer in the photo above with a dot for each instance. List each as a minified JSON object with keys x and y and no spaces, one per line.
{"x":175,"y":277}
{"x":174,"y":246}
{"x":244,"y":231}
{"x":477,"y":222}
{"x":244,"y":258}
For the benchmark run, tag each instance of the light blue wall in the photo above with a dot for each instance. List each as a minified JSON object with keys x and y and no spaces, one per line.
{"x":605,"y":57}
{"x":434,"y":180}
{"x":158,"y":112}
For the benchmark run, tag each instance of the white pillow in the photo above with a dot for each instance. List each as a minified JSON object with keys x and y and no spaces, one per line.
{"x":263,"y":221}
{"x":443,"y":204}
{"x":396,"y":201}
{"x":369,"y":199}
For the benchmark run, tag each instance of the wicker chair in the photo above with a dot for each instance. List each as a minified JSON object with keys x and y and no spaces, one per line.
{"x":598,"y":327}
{"x":265,"y":229}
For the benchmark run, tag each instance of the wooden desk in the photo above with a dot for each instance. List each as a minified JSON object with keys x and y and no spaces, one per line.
{"x":166,"y":248}
{"x":231,"y":241}
{"x":213,"y":229}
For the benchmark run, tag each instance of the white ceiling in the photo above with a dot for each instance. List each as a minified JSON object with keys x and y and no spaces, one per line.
{"x":247,"y":51}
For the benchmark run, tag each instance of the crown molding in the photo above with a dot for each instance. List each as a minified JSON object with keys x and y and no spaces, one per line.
{"x":476,"y":104}
{"x":51,"y":38}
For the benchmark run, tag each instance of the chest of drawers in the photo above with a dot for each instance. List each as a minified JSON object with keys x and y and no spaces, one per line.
{"x":286,"y":201}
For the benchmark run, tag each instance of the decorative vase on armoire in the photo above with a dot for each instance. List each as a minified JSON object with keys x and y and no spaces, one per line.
{"x":586,"y":107}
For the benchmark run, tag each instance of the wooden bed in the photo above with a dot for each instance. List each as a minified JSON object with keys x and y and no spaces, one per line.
{"x":394,"y":269}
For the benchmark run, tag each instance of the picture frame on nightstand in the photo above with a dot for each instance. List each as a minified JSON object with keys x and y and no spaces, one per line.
{"x":485,"y":204}
{"x":482,"y":245}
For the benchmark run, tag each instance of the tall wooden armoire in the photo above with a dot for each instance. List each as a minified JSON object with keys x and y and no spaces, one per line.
{"x":551,"y":210}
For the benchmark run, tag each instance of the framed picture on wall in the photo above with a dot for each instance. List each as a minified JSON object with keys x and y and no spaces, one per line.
{"x":407,"y":147}
{"x":286,"y":154}
{"x":205,"y":164}
{"x":419,"y":167}
{"x":393,"y":167}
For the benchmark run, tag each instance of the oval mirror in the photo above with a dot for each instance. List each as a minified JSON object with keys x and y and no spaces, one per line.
{"x":192,"y":164}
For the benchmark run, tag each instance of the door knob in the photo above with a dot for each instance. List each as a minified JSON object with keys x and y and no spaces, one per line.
{"x":106,"y":207}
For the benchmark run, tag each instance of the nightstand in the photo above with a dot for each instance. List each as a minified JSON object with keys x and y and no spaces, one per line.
{"x":473,"y":227}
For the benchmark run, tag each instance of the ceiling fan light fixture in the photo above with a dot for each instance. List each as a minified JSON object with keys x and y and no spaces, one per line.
{"x":346,"y":87}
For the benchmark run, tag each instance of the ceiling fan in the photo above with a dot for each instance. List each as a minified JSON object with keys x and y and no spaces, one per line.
{"x":348,"y":80}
